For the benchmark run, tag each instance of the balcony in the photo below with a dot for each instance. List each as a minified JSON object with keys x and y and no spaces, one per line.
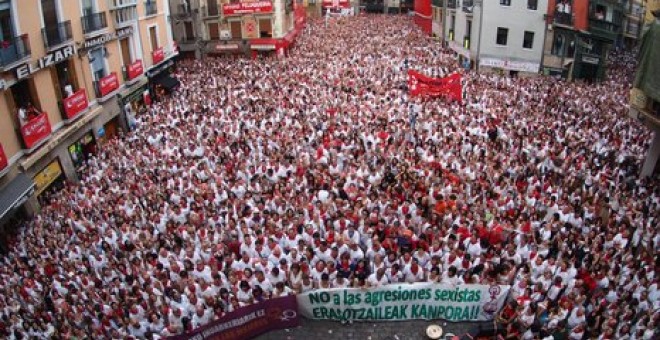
{"x":604,"y":28}
{"x":565,"y":19}
{"x":94,"y":22}
{"x":468,"y":6}
{"x":56,"y":35}
{"x":466,"y":43}
{"x":150,"y":8}
{"x":451,"y":4}
{"x":118,"y":4}
{"x":14,"y":49}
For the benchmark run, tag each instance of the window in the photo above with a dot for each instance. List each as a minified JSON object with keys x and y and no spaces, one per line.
{"x":214,"y":31}
{"x":236,"y":29}
{"x":528,"y":40}
{"x":97,"y":62}
{"x":64,"y":76}
{"x":6,"y":25}
{"x":153,"y":37}
{"x":125,"y":45}
{"x":502,"y":36}
{"x":265,"y":28}
{"x":533,"y":4}
{"x":505,"y":2}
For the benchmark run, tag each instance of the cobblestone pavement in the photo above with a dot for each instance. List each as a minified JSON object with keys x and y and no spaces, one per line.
{"x":404,"y":330}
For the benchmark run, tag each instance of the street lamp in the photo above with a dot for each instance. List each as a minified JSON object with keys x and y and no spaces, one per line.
{"x":479,"y":3}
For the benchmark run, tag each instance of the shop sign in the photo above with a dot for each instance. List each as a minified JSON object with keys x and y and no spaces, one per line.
{"x":3,"y":158}
{"x":254,"y":7}
{"x":590,"y":60}
{"x":108,"y":84}
{"x":157,"y":56}
{"x":47,"y":176}
{"x":75,"y":104}
{"x":226,"y":47}
{"x":510,"y":65}
{"x":336,"y":3}
{"x":36,"y":130}
{"x":135,"y":69}
{"x":104,"y":38}
{"x":49,"y":59}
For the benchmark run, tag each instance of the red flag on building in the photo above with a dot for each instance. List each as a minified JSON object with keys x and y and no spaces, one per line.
{"x":421,"y":85}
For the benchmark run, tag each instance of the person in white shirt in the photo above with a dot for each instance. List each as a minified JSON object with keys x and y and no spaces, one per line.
{"x":377,"y":279}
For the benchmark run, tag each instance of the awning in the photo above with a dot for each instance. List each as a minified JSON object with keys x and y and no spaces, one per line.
{"x":167,"y":82}
{"x":14,"y":194}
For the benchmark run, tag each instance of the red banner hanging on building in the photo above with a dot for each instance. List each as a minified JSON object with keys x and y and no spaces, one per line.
{"x":336,"y":3}
{"x":157,"y":56}
{"x":247,"y":8}
{"x":108,"y":84}
{"x":75,"y":104}
{"x":3,"y":159}
{"x":421,"y":85}
{"x":134,"y":70}
{"x":36,"y":130}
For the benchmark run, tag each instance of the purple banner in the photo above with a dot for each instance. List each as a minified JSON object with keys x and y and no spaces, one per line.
{"x":249,"y":321}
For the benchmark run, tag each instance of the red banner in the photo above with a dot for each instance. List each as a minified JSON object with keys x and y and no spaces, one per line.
{"x":3,"y":158}
{"x":337,"y":3}
{"x":249,"y":321}
{"x":157,"y":56}
{"x":247,"y":8}
{"x":36,"y":130}
{"x":421,"y":85}
{"x":75,"y":104}
{"x":134,"y":70}
{"x":108,"y":84}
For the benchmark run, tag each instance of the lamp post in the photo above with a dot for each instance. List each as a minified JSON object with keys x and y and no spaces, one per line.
{"x":479,"y":3}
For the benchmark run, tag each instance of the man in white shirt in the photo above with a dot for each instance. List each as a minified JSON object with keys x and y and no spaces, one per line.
{"x":377,"y":279}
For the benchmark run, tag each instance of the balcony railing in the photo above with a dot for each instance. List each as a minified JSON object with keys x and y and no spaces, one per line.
{"x":58,"y":34}
{"x":94,"y":22}
{"x":563,"y":19}
{"x":151,"y":7}
{"x":468,"y":6}
{"x":603,"y":25}
{"x":451,"y":4}
{"x":14,"y":49}
{"x":115,"y":4}
{"x":125,"y":15}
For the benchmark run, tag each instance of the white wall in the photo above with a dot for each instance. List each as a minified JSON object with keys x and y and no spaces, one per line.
{"x":518,"y":19}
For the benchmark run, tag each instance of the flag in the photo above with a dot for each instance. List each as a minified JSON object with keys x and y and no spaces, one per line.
{"x":421,"y":85}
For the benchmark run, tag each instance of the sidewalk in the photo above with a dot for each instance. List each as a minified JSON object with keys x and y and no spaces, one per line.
{"x":402,"y":330}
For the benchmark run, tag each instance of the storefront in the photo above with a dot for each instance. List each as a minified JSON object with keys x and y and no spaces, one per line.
{"x":50,"y":179}
{"x":512,"y":66}
{"x":12,"y":206}
{"x":82,"y":150}
{"x":132,"y":102}
{"x":161,"y":81}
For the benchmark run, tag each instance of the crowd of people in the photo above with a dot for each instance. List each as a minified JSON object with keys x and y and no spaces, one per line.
{"x":263,"y":177}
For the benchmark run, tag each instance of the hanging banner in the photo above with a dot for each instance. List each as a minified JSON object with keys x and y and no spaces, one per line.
{"x":3,"y":159}
{"x":399,"y":302}
{"x":35,"y":130}
{"x":252,"y":7}
{"x":134,"y":70}
{"x":421,"y":85}
{"x":249,"y":321}
{"x":157,"y":56}
{"x":108,"y":84}
{"x":75,"y":104}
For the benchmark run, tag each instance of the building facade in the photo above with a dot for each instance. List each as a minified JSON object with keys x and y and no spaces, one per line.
{"x":484,"y":36}
{"x":580,"y":35}
{"x":71,"y":72}
{"x":206,"y":27}
{"x":633,"y":23}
